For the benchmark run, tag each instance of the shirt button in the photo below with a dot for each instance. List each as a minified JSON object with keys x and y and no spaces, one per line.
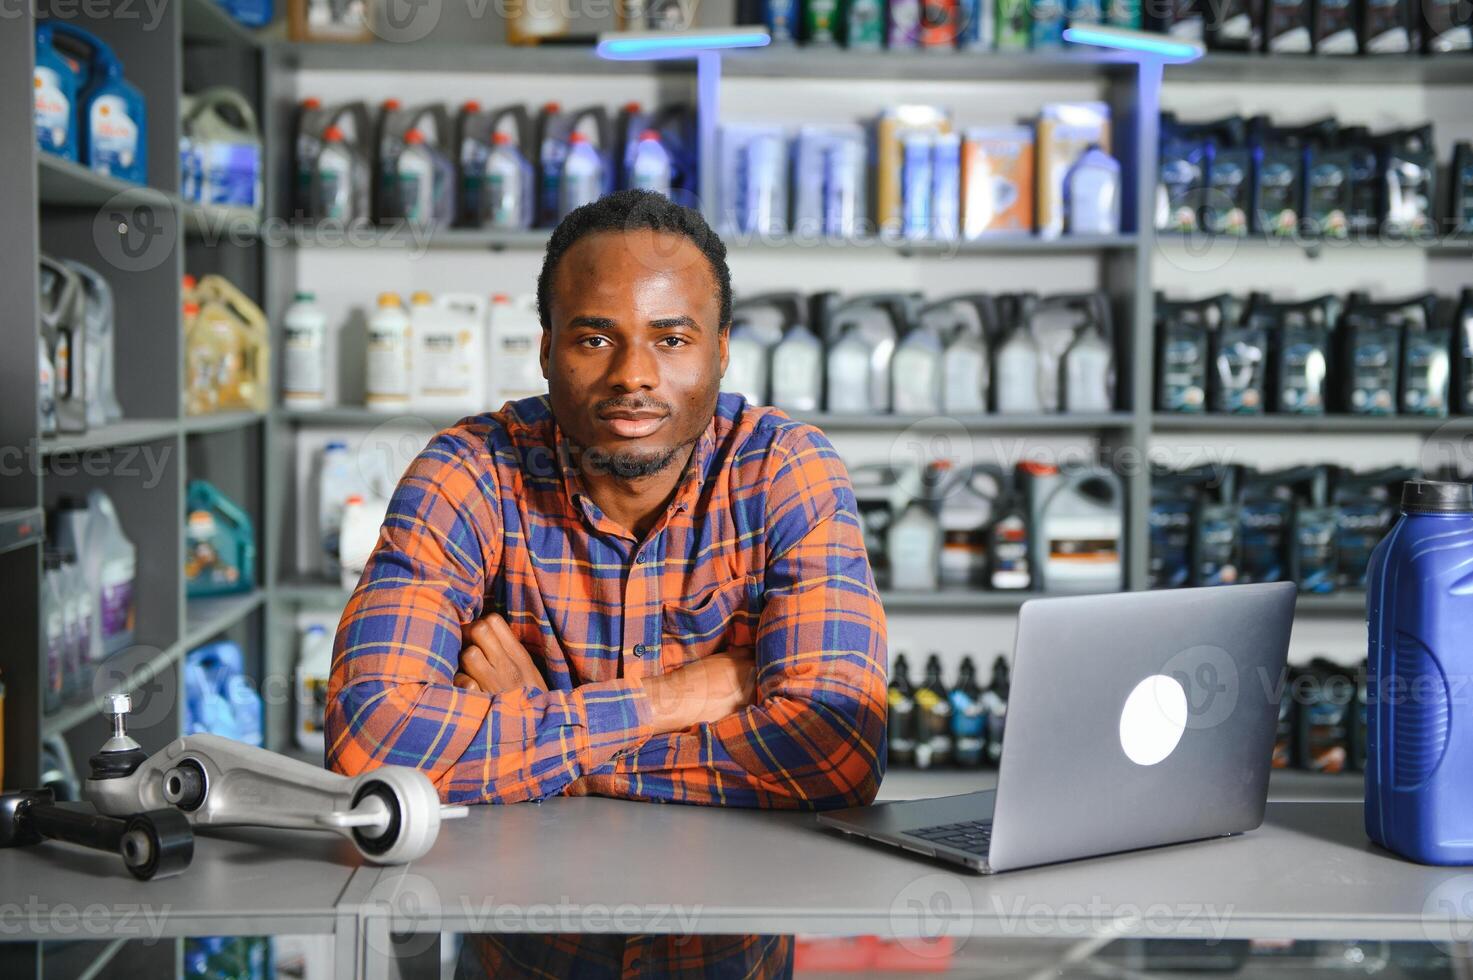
{"x":636,"y":964}
{"x":640,"y":649}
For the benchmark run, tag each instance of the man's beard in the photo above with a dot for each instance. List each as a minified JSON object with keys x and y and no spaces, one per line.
{"x":627,"y":465}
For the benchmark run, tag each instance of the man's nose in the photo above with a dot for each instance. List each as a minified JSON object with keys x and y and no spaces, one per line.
{"x":634,"y":368}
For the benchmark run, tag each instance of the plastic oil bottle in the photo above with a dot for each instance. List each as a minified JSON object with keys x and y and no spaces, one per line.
{"x":933,"y":705}
{"x":965,"y":374}
{"x":902,"y":715}
{"x":582,"y":175}
{"x":54,"y":98}
{"x":916,"y":371}
{"x":914,"y":547}
{"x":797,"y":370}
{"x":335,"y":483}
{"x":314,"y":667}
{"x":514,"y":346}
{"x":651,"y":168}
{"x":1016,"y":364}
{"x":1077,"y":523}
{"x":389,"y":369}
{"x":968,"y":718}
{"x":304,"y":360}
{"x":757,"y":327}
{"x":1419,"y":802}
{"x":995,"y":702}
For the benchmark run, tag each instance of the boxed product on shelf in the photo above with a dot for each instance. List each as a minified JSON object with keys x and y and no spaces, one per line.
{"x":1065,"y":132}
{"x":752,"y":179}
{"x":997,"y":181}
{"x":917,"y":123}
{"x":830,"y":181}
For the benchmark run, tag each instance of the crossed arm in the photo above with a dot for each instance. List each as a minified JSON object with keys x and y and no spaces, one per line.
{"x":422,"y":678}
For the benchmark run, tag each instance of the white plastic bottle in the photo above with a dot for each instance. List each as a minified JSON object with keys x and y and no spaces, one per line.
{"x":389,"y":369}
{"x":506,"y":192}
{"x":54,"y":632}
{"x":362,"y":521}
{"x":514,"y":351}
{"x":651,"y":168}
{"x":82,"y":623}
{"x":416,"y":179}
{"x":449,"y":353}
{"x":916,"y":372}
{"x":333,"y":178}
{"x":46,"y":392}
{"x":304,"y":362}
{"x":583,"y":175}
{"x":797,"y":370}
{"x":314,"y":666}
{"x":914,"y":547}
{"x":335,"y":484}
{"x":117,"y":572}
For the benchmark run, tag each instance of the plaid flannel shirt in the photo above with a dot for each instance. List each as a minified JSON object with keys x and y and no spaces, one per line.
{"x":760,"y":548}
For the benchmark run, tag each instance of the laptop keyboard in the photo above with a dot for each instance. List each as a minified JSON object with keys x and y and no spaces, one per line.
{"x":972,"y":836}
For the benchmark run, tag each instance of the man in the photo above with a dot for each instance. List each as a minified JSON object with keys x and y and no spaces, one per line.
{"x":630,"y":587}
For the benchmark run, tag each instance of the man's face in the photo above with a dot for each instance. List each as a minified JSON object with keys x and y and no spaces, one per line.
{"x":633,"y":354}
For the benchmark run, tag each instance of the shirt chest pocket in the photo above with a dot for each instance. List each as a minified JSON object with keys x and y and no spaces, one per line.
{"x":721,"y":619}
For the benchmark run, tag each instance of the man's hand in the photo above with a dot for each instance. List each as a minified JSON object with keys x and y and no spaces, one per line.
{"x":494,"y":660}
{"x":706,"y":690}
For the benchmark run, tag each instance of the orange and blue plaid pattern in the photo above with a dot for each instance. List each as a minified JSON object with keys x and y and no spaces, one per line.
{"x":760,"y":548}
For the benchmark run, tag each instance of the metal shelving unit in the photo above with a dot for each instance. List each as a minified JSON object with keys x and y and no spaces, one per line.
{"x":1354,"y":424}
{"x":56,"y":204}
{"x":143,"y":462}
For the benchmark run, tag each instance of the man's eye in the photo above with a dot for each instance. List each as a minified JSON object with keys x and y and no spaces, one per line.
{"x":593,"y":342}
{"x":673,"y":341}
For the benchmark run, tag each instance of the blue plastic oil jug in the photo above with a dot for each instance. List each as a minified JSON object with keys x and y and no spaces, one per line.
{"x":1419,"y":743}
{"x":111,"y":120}
{"x":55,"y":98}
{"x":218,"y":697}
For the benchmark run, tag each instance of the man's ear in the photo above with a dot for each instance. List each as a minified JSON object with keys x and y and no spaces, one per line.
{"x":723,"y":340}
{"x":544,"y":357}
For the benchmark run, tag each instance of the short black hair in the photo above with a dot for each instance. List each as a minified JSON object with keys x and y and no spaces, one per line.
{"x":630,"y":210}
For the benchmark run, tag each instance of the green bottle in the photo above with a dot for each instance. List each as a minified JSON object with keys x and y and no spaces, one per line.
{"x":1014,"y":29}
{"x":864,"y":24}
{"x":820,"y":20}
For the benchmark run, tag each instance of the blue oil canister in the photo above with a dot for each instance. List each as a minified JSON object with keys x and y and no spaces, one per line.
{"x":54,"y":94}
{"x":1419,"y":607}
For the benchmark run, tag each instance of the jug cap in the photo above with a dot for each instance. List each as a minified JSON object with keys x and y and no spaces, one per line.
{"x":1436,"y":497}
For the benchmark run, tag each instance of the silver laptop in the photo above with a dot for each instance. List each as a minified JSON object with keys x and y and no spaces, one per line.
{"x":1134,"y":720}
